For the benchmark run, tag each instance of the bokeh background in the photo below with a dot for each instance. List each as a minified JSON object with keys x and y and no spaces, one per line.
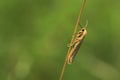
{"x":34,"y":35}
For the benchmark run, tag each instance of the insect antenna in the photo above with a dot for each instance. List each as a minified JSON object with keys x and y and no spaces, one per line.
{"x":86,"y":23}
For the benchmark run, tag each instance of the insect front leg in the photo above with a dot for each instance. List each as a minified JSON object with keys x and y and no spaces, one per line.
{"x":71,"y":45}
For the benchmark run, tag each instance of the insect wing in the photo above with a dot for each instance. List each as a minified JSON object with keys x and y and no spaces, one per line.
{"x":74,"y":51}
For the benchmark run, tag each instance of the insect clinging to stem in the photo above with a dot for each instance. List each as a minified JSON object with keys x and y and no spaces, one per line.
{"x":76,"y":42}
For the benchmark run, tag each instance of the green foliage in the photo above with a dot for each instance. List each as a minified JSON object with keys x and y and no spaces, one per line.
{"x":34,"y":35}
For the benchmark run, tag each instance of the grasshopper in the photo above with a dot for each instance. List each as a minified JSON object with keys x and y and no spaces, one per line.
{"x":76,"y":45}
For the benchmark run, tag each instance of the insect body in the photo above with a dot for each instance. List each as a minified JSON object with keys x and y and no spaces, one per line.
{"x":76,"y":45}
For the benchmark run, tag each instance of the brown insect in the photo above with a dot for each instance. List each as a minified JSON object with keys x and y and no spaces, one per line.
{"x":76,"y":45}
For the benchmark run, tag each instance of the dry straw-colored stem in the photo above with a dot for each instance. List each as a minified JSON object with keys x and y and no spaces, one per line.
{"x":72,"y":40}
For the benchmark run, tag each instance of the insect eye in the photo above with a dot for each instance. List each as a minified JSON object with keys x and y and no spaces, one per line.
{"x":82,"y":29}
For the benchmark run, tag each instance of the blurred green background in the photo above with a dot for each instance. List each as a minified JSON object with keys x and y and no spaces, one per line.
{"x":34,"y":35}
